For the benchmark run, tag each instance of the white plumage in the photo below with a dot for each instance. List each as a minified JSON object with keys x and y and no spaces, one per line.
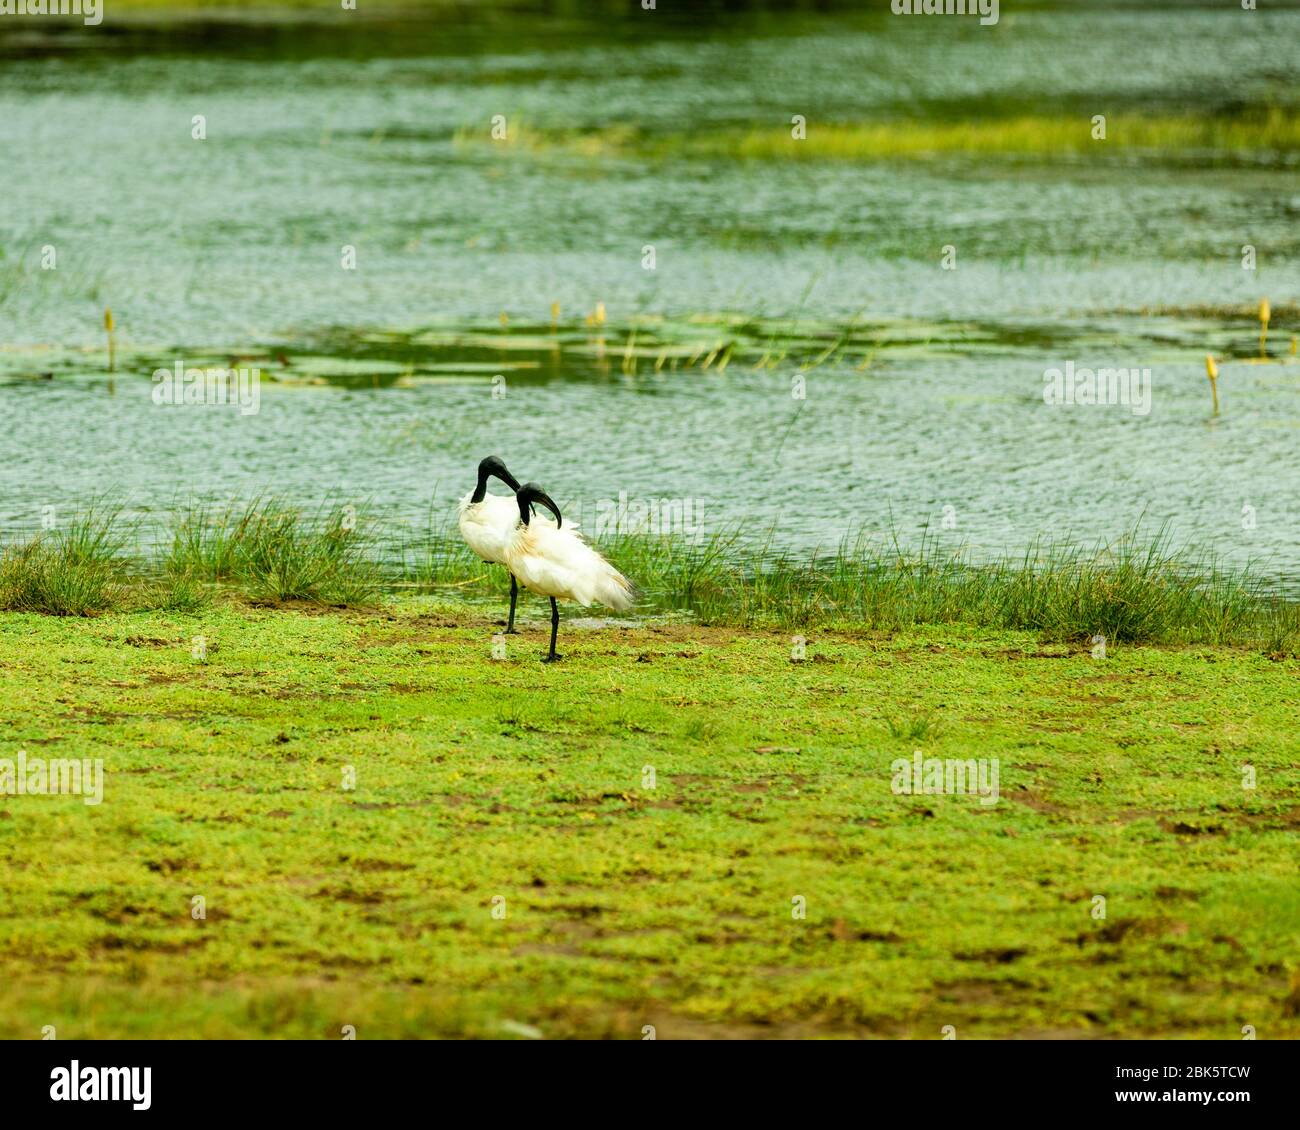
{"x":486,"y":521}
{"x":552,"y":559}
{"x":486,"y":526}
{"x":557,"y":562}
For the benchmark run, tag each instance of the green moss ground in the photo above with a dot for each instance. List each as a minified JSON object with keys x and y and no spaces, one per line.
{"x":628,"y":906}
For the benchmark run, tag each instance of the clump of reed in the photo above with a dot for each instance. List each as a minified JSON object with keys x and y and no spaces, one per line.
{"x":173,"y":592}
{"x":73,"y":570}
{"x":914,"y":727}
{"x":1137,"y":589}
{"x":274,"y":551}
{"x":697,"y":575}
{"x":84,"y":568}
{"x":36,"y":576}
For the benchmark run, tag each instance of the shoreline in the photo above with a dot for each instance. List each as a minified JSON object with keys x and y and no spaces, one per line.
{"x":1138,"y":588}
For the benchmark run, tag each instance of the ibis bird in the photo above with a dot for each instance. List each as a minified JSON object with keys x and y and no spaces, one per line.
{"x":553,"y":560}
{"x":487,"y":521}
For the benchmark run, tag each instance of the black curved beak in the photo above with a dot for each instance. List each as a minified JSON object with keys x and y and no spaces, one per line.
{"x":531,"y":493}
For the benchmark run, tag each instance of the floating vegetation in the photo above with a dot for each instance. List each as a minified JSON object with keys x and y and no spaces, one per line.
{"x":1166,"y":137}
{"x":601,"y":346}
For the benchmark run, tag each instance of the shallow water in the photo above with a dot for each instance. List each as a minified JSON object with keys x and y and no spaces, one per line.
{"x":922,"y":386}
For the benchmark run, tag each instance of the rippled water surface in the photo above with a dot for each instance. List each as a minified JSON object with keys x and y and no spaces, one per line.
{"x":797,"y":359}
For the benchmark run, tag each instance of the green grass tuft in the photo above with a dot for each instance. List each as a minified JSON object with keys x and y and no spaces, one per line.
{"x":38,"y":576}
{"x":176,"y":592}
{"x":915,"y":727}
{"x":275,"y":552}
{"x":71,"y":571}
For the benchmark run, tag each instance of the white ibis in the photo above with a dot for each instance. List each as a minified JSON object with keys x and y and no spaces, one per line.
{"x":487,"y":521}
{"x":554,"y":561}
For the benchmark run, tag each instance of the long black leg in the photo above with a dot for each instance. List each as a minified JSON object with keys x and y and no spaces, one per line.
{"x":555,"y":627}
{"x":514,"y":595}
